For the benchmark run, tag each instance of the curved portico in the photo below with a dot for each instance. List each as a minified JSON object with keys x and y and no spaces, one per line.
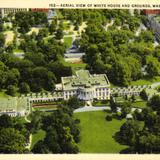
{"x":86,"y":94}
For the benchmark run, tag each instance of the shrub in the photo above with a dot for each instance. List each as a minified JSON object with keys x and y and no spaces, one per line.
{"x":109,"y":117}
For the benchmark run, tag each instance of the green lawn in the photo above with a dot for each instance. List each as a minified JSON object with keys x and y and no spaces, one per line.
{"x":75,"y":66}
{"x":40,"y":135}
{"x":3,"y":95}
{"x":101,"y":103}
{"x":68,"y":41}
{"x":96,"y":133}
{"x":139,"y":104}
{"x":45,"y":108}
{"x":146,"y":81}
{"x":66,"y":25}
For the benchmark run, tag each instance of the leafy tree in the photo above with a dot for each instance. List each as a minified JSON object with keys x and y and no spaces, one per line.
{"x":121,"y":73}
{"x":113,"y":105}
{"x":26,"y":20}
{"x":62,"y":132}
{"x":24,"y":87}
{"x":42,"y":33}
{"x":146,"y":36}
{"x":5,"y":121}
{"x":11,"y":90}
{"x":10,"y":48}
{"x":59,"y":34}
{"x":42,"y":78}
{"x":53,"y":26}
{"x":59,"y":70}
{"x":36,"y":121}
{"x":109,"y":117}
{"x":144,"y":95}
{"x":11,"y":141}
{"x":74,"y":102}
{"x":40,"y":147}
{"x":3,"y":73}
{"x":1,"y":26}
{"x":51,"y":141}
{"x":133,"y":98}
{"x":125,"y":108}
{"x":128,"y":132}
{"x":135,"y":67}
{"x":13,"y":77}
{"x":153,"y":66}
{"x":2,"y":40}
{"x":37,"y":58}
{"x":154,"y":102}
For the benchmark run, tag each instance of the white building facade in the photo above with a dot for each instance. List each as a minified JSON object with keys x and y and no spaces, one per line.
{"x":85,"y":86}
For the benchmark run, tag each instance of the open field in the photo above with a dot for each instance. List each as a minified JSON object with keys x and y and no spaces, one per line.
{"x":40,"y":135}
{"x":97,"y":133}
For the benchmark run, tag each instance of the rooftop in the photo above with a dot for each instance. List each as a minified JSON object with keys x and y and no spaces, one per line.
{"x":8,"y":104}
{"x":84,"y":79}
{"x":12,"y":104}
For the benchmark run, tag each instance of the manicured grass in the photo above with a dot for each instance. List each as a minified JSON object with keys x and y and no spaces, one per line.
{"x":140,"y":104}
{"x":45,"y":108}
{"x":3,"y":95}
{"x":18,"y":51}
{"x":40,"y":135}
{"x":75,"y":66}
{"x":68,"y":41}
{"x":146,"y":81}
{"x":66,"y":25}
{"x":97,"y":133}
{"x":101,"y":103}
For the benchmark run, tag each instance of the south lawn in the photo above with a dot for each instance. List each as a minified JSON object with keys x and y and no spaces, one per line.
{"x":96,"y":133}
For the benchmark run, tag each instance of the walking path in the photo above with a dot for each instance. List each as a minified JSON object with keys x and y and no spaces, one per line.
{"x":30,"y":141}
{"x":27,"y":119}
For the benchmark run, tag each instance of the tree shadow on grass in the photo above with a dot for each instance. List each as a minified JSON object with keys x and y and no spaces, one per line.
{"x":127,"y":150}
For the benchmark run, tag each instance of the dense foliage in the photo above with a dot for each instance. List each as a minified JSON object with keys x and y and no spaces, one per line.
{"x":62,"y":133}
{"x":14,"y":135}
{"x":113,"y":44}
{"x":142,"y":134}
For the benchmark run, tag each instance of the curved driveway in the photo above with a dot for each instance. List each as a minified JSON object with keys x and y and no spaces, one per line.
{"x":91,"y":108}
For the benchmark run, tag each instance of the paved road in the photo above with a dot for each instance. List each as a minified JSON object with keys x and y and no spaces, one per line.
{"x":91,"y":108}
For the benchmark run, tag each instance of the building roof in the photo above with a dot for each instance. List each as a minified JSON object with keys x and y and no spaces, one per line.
{"x":83,"y":79}
{"x":8,"y":104}
{"x":13,"y":104}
